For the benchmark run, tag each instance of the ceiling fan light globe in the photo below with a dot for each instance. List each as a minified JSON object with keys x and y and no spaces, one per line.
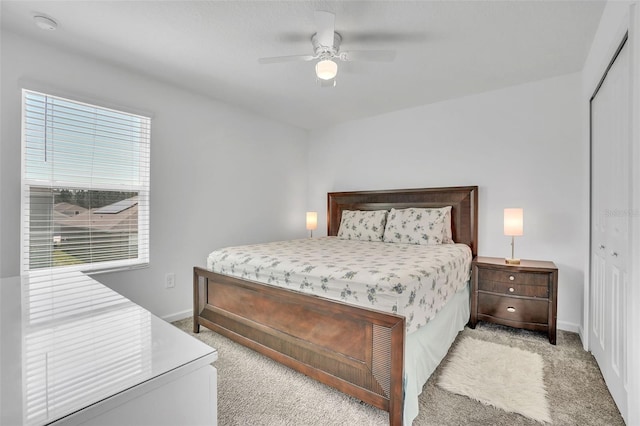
{"x":326,"y":69}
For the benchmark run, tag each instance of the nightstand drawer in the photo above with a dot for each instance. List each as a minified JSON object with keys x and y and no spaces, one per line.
{"x":511,"y":289}
{"x":513,"y":309}
{"x":525,"y":278}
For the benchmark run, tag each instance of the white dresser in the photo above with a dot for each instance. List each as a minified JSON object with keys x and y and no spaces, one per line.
{"x":74,"y":352}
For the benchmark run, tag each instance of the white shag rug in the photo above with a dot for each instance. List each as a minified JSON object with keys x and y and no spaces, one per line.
{"x":507,"y":378}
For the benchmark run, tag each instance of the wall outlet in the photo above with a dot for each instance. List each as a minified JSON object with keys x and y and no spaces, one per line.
{"x":170,"y":280}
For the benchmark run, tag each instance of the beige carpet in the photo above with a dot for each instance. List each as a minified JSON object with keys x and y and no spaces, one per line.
{"x":254,"y":390}
{"x":507,"y":378}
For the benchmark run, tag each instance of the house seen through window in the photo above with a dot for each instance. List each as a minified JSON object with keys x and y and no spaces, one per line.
{"x":85,"y":184}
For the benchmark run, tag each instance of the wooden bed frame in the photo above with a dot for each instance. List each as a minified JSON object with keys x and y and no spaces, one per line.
{"x":355,"y":350}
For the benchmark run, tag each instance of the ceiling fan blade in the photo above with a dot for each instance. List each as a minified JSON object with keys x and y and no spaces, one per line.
{"x":280,"y":59}
{"x":325,"y":25}
{"x":368,"y":55}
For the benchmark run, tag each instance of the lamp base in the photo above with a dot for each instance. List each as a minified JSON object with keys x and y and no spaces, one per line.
{"x":512,"y":261}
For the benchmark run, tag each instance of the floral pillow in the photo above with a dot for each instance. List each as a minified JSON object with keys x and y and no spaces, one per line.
{"x":417,"y":226}
{"x":362,"y":225}
{"x":448,"y":234}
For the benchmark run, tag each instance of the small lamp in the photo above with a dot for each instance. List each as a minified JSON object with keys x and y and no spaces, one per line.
{"x":312,"y":222}
{"x":513,"y":227}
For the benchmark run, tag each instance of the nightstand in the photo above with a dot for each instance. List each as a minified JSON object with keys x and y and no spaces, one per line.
{"x":521,"y":296}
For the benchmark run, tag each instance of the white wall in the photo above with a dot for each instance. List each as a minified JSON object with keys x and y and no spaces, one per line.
{"x":521,"y":145}
{"x":219,"y":175}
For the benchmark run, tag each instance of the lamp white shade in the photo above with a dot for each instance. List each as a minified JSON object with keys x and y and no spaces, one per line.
{"x":312,"y":220}
{"x":326,"y":69}
{"x":513,"y":222}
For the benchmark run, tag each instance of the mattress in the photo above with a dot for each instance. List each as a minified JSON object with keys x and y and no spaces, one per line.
{"x":415,"y":281}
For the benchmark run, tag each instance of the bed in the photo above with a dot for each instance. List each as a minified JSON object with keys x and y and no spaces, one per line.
{"x":364,"y":352}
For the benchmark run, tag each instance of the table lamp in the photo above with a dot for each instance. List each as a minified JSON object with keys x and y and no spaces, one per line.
{"x":312,"y":222}
{"x":513,"y":227}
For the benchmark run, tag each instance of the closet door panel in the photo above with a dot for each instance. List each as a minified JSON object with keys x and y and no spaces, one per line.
{"x":610,"y":215}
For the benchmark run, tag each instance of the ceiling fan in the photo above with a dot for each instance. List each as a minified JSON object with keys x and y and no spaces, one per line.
{"x":326,"y":50}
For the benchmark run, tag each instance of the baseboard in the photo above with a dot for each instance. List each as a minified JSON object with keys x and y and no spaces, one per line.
{"x":568,"y":326}
{"x":582,"y":339}
{"x":178,"y":316}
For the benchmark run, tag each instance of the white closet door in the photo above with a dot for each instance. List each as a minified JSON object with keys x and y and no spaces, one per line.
{"x":610,"y":215}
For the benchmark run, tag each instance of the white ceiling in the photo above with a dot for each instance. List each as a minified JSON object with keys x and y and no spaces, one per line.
{"x":445,"y":49}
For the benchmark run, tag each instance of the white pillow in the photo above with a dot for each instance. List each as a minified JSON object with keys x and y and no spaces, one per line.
{"x":365,"y":225}
{"x":417,"y":226}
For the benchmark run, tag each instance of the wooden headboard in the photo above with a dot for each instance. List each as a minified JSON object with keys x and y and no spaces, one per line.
{"x":462,"y":199}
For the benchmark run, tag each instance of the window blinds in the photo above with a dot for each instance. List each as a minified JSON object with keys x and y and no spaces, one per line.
{"x":85,"y":186}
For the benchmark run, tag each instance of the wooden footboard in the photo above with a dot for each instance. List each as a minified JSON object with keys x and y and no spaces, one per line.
{"x":355,"y":350}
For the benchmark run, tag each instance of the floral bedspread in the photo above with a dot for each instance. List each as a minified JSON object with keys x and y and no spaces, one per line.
{"x":411,"y":280}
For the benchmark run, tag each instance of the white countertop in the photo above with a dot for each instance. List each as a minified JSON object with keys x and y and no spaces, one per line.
{"x":70,"y":342}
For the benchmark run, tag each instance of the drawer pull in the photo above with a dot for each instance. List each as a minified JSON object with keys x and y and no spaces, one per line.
{"x":511,"y":278}
{"x":511,"y":309}
{"x":511,"y":289}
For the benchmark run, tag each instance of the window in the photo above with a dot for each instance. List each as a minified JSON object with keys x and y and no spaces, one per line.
{"x":85,"y":186}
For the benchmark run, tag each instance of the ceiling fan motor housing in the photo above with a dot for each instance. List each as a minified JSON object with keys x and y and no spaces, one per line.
{"x":324,"y":52}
